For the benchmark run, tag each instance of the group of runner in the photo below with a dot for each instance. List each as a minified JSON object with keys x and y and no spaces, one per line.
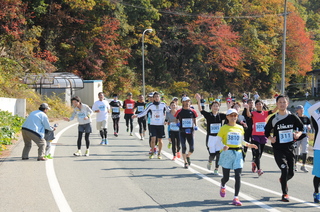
{"x":228,"y":134}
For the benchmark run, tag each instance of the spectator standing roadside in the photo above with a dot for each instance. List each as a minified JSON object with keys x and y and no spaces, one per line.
{"x":102,"y":108}
{"x":33,"y":129}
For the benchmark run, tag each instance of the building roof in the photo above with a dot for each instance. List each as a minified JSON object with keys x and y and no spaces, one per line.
{"x":316,"y":71}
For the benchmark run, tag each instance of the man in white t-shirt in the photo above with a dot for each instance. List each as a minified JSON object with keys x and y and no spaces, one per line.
{"x":102,"y":108}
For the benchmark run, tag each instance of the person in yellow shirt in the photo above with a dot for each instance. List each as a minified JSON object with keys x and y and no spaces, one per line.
{"x":230,"y":137}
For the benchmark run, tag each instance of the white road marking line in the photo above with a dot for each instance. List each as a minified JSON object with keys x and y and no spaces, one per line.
{"x":52,"y":178}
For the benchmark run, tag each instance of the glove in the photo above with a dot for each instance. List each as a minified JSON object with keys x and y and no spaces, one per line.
{"x":195,"y":128}
{"x":178,"y":124}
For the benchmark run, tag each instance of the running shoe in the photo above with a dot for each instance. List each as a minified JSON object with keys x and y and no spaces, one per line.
{"x":215,"y":172}
{"x":174,"y":158}
{"x":48,"y":156}
{"x":87,"y":153}
{"x":236,"y":202}
{"x":116,"y":134}
{"x":169,"y":145}
{"x":316,"y":197}
{"x":141,"y":138}
{"x":188,"y":160}
{"x":254,"y":167}
{"x":260,"y":172}
{"x":222,"y":191}
{"x":186,"y":165}
{"x":77,"y":153}
{"x":127,"y":129}
{"x":178,"y":155}
{"x":131,"y":134}
{"x":304,"y":169}
{"x":42,"y":159}
{"x":159,"y":157}
{"x":151,"y":155}
{"x":150,"y":152}
{"x":209,"y":164}
{"x":155,"y":150}
{"x":106,"y":142}
{"x":102,"y":142}
{"x":285,"y":198}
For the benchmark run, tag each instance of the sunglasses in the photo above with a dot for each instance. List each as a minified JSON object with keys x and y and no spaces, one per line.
{"x":233,"y":115}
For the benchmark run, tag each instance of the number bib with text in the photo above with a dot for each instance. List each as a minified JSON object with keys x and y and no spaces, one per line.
{"x":260,"y":126}
{"x":187,"y":123}
{"x":115,"y":109}
{"x":140,"y":108}
{"x":129,"y":106}
{"x":234,"y":138}
{"x":174,"y":127}
{"x":102,"y":108}
{"x":285,"y":136}
{"x":214,"y":128}
{"x":81,"y":115}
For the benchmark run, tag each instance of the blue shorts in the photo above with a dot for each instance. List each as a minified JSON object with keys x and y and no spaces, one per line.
{"x":316,"y":163}
{"x":231,"y":159}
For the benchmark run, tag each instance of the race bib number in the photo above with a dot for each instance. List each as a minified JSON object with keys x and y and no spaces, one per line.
{"x":129,"y":106}
{"x":140,"y":108}
{"x":260,"y":126}
{"x":81,"y":115}
{"x":187,"y":123}
{"x":156,"y":116}
{"x":285,"y":136}
{"x":115,"y":109}
{"x":234,"y":138}
{"x":173,"y":126}
{"x":102,"y":108}
{"x":214,"y":128}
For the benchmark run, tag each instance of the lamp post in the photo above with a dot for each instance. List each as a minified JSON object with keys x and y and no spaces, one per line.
{"x":283,"y":67}
{"x":143,"y":75}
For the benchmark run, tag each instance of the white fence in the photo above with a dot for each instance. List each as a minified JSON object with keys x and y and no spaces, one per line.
{"x":14,"y":106}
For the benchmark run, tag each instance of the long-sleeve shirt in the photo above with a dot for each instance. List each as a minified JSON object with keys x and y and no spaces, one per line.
{"x":315,"y":115}
{"x":84,"y":111}
{"x":37,"y":122}
{"x":157,"y":113}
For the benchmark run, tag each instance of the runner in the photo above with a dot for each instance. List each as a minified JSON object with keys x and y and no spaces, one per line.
{"x":115,"y":108}
{"x":173,"y":129}
{"x":315,"y":117}
{"x":140,"y":105}
{"x":128,"y":105}
{"x":202,"y":102}
{"x":303,"y":140}
{"x":157,"y":111}
{"x":259,"y":119}
{"x":186,"y":120}
{"x":248,"y":131}
{"x":102,"y":108}
{"x":210,"y":98}
{"x":230,"y":139}
{"x":214,"y":121}
{"x":83,"y":113}
{"x":283,"y":124}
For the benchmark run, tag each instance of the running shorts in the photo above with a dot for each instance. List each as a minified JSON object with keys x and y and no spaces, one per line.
{"x":231,"y":159}
{"x":86,"y":128}
{"x":102,"y":125}
{"x":316,"y":163}
{"x":157,"y":131}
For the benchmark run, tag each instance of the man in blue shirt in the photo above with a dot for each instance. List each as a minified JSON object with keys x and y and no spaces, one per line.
{"x":33,"y":129}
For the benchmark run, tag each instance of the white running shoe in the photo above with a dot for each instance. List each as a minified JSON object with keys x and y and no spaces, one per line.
{"x":87,"y":153}
{"x":77,"y":153}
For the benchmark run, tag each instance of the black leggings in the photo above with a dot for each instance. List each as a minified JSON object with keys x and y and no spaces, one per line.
{"x":225,"y":179}
{"x":175,"y":140}
{"x":103,"y":133}
{"x":285,"y":161}
{"x":142,"y":124}
{"x":128,"y":119}
{"x":86,"y":137}
{"x":316,"y":184}
{"x":189,"y":138}
{"x":116,"y":125}
{"x":258,"y":153}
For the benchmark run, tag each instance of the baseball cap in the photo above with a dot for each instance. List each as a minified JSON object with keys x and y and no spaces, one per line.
{"x":175,"y":98}
{"x":299,"y":107}
{"x":45,"y":106}
{"x":114,"y":95}
{"x":151,"y":94}
{"x":129,"y":94}
{"x":230,"y":111}
{"x":185,"y":99}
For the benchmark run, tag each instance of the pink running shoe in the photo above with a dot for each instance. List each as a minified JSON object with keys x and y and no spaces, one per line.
{"x":236,"y":202}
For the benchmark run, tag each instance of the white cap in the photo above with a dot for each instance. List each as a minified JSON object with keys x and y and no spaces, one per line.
{"x":230,"y":111}
{"x":185,"y":99}
{"x":175,"y":98}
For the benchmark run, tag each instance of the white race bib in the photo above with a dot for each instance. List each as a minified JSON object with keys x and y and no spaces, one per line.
{"x":187,"y":123}
{"x":173,"y":126}
{"x":129,"y":106}
{"x":102,"y":107}
{"x":115,"y":109}
{"x":81,"y":115}
{"x":285,"y":136}
{"x":214,"y":128}
{"x":156,"y":116}
{"x":260,"y":126}
{"x":140,"y":108}
{"x":234,"y":138}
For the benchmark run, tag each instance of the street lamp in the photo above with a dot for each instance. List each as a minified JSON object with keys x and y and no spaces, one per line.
{"x":143,"y":77}
{"x":283,"y":67}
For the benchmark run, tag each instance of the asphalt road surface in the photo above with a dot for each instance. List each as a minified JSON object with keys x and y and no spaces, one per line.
{"x":121,"y":177}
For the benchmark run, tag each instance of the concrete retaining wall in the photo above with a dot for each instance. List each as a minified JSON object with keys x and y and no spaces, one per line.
{"x":14,"y":106}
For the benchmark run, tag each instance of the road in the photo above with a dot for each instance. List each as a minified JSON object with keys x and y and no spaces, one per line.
{"x":121,"y":177}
